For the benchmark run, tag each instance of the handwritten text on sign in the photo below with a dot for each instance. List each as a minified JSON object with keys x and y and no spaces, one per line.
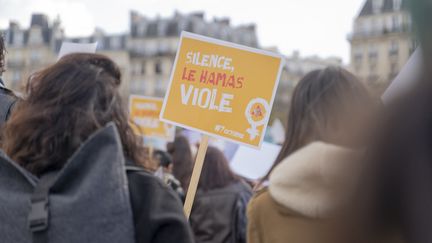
{"x":222,"y":89}
{"x":144,"y":112}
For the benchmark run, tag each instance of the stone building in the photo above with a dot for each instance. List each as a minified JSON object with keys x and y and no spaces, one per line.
{"x":145,"y":53}
{"x":31,"y":49}
{"x":381,"y":41}
{"x":295,"y":68}
{"x":152,"y":45}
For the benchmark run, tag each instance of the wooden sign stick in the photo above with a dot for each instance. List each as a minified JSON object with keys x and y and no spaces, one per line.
{"x":193,"y":185}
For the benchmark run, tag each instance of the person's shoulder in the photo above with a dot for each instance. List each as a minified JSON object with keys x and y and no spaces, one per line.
{"x":258,"y":204}
{"x":157,"y":210}
{"x":145,"y":188}
{"x":143,"y":177}
{"x":260,"y":199}
{"x":261,"y":194}
{"x":243,"y":189}
{"x":231,"y":190}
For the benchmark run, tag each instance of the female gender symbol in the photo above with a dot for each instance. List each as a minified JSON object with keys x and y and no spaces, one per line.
{"x":256,"y":114}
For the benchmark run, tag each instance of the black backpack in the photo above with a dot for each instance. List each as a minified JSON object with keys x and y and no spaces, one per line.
{"x":86,"y":201}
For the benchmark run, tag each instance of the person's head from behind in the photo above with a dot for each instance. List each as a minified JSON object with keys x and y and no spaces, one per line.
{"x":164,"y":160}
{"x":67,"y":102}
{"x":216,"y":172}
{"x":329,"y":105}
{"x":180,"y":146}
{"x":181,"y":154}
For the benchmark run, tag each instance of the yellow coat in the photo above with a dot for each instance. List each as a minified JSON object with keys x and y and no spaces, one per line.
{"x":308,"y":200}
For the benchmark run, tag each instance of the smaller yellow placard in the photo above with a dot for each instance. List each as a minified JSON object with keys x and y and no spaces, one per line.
{"x":144,"y":114}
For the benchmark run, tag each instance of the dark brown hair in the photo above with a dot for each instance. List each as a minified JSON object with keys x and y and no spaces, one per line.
{"x":216,"y":172}
{"x":2,"y":54}
{"x":181,"y":154}
{"x":67,"y":102}
{"x":320,"y":103}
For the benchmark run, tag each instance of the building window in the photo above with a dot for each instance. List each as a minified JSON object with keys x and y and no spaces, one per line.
{"x":394,"y":48}
{"x":377,"y":6}
{"x":397,"y":4}
{"x":358,"y":54}
{"x":18,"y":38}
{"x":158,"y":68}
{"x":373,"y":52}
{"x":396,"y":24}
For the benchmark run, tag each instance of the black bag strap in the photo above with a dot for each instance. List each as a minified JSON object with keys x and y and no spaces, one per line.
{"x":7,"y":102}
{"x":38,"y":220}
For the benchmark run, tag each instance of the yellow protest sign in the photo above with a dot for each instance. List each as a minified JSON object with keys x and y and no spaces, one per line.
{"x":222,"y":89}
{"x":144,"y":113}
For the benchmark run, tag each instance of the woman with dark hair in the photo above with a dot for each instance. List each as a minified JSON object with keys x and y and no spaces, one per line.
{"x":219,"y":211}
{"x":310,"y":183}
{"x":71,"y":104}
{"x":180,"y":151}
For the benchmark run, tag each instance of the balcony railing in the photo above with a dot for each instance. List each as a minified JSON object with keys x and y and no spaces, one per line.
{"x":381,"y":32}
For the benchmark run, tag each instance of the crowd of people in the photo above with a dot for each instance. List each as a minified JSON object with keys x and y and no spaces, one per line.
{"x":72,"y":169}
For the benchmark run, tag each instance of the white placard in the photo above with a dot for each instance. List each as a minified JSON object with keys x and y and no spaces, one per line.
{"x":406,"y":79}
{"x":70,"y":47}
{"x":254,"y":164}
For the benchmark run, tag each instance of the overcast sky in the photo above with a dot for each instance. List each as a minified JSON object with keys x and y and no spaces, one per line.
{"x":313,"y":27}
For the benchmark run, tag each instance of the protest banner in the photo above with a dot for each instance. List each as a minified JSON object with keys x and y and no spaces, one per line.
{"x":223,"y":90}
{"x":144,"y":113}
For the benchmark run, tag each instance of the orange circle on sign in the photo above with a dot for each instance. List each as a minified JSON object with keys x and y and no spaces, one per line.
{"x":258,"y":112}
